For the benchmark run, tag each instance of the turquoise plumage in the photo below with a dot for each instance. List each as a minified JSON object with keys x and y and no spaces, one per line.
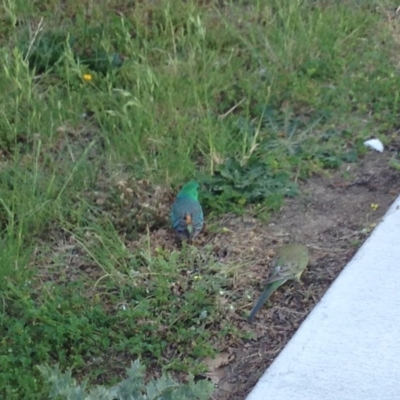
{"x":186,"y":213}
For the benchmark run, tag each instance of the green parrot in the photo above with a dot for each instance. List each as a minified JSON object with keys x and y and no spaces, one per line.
{"x":289,"y":263}
{"x":187,"y":214}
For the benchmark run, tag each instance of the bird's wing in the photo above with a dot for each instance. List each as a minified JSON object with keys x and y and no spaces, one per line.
{"x":187,"y":216}
{"x":290,"y":261}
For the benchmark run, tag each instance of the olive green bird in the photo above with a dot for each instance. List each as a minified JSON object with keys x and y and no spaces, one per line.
{"x":289,"y":263}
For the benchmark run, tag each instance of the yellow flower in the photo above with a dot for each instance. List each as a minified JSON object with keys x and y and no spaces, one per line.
{"x":374,"y":206}
{"x":87,"y":77}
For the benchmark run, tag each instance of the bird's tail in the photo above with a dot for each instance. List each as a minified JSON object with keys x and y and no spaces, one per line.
{"x":263,"y":298}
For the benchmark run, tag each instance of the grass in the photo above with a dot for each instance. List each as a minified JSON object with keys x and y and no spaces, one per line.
{"x":108,"y":107}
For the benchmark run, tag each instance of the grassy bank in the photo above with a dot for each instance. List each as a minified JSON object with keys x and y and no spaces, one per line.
{"x":107,"y":108}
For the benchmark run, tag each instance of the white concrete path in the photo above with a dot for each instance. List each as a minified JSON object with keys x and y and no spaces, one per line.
{"x":348,"y":348}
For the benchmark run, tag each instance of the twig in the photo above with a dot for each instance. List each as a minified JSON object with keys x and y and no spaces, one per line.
{"x":222,"y":116}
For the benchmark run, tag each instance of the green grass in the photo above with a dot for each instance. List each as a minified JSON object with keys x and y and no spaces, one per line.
{"x":247,"y":98}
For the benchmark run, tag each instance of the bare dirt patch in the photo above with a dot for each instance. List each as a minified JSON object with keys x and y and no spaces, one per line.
{"x":333,"y":217}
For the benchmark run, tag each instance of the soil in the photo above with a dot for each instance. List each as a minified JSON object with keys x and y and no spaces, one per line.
{"x":333,"y":216}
